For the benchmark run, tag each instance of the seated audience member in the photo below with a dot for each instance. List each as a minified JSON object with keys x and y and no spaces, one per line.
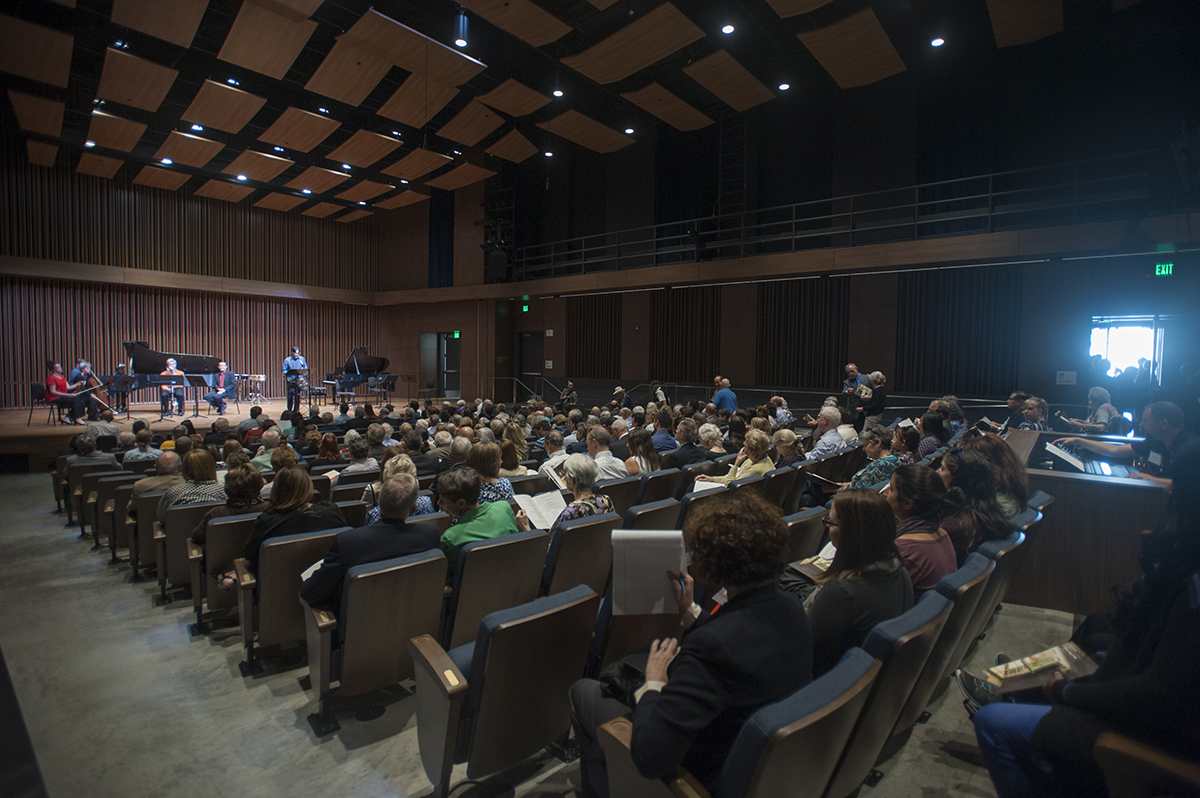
{"x":390,"y":536}
{"x":242,"y":486}
{"x":400,"y":464}
{"x":270,"y":442}
{"x":183,"y":445}
{"x":1102,"y":415}
{"x":829,"y":440}
{"x":281,"y":457}
{"x":971,"y":516}
{"x":933,"y":434}
{"x":735,"y":433}
{"x":86,"y":453}
{"x":619,"y":444}
{"x":556,"y":453}
{"x":697,"y":695}
{"x":643,"y":457}
{"x":512,"y":432}
{"x":1162,"y":424}
{"x":1016,"y":403}
{"x":126,"y":442}
{"x":359,"y":456}
{"x":917,"y":494}
{"x":787,"y":446}
{"x":581,"y":474}
{"x":144,"y":450}
{"x":254,"y":435}
{"x":199,"y":484}
{"x":250,"y":423}
{"x":369,"y":411}
{"x":375,"y":439}
{"x":1008,"y":473}
{"x":412,"y":445}
{"x":343,"y":417}
{"x":104,"y":426}
{"x":360,"y":422}
{"x":329,"y":453}
{"x":880,"y":462}
{"x":688,"y":452}
{"x":751,"y":461}
{"x":292,"y":511}
{"x":906,"y":441}
{"x":485,"y":459}
{"x":1150,"y":648}
{"x":510,"y":464}
{"x":459,"y":497}
{"x":311,"y":445}
{"x":609,"y":466}
{"x":220,"y":428}
{"x":1035,"y":415}
{"x":761,"y":422}
{"x":865,"y":584}
{"x":662,"y":438}
{"x":955,"y":418}
{"x":230,"y":447}
{"x":441,"y":445}
{"x":712,"y":441}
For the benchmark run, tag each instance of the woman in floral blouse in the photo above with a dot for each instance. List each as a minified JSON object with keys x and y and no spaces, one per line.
{"x":880,"y":463}
{"x":580,"y":475}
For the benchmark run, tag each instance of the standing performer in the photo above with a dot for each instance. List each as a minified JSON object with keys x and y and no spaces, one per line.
{"x":296,"y":361}
{"x":224,"y":385}
{"x":60,"y":393}
{"x":167,"y":392}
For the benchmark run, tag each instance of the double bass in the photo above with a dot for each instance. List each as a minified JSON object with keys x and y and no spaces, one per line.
{"x":95,"y":387}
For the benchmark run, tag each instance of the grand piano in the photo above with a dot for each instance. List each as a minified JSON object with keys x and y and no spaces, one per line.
{"x":360,"y":368}
{"x":145,"y":362}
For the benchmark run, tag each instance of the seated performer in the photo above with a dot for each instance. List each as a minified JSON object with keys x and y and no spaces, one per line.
{"x":61,"y":394}
{"x":224,"y":385}
{"x":169,"y":391}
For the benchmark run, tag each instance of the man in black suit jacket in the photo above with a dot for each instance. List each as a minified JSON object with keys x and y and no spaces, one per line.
{"x":391,"y":536}
{"x":619,"y":445}
{"x":426,"y":463}
{"x":686,"y":434}
{"x":220,"y":428}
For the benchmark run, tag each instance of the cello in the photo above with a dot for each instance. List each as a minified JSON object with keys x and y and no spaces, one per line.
{"x":96,"y":388}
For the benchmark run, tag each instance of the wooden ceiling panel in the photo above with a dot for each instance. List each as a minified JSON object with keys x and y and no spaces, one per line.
{"x":266,"y":42}
{"x":677,"y":113}
{"x":408,"y":49}
{"x":188,"y":149}
{"x":348,"y":74}
{"x":721,"y":74}
{"x":299,"y":130}
{"x":279,"y":202}
{"x":223,"y":107}
{"x":464,"y":175}
{"x":855,"y":51}
{"x":366,"y":190}
{"x":524,"y":19}
{"x":364,"y":148}
{"x":130,"y":80}
{"x":418,"y":100}
{"x":471,"y":124}
{"x":295,"y":10}
{"x":1023,"y":21}
{"x":92,"y":164}
{"x":321,"y":210}
{"x":354,"y":216}
{"x":34,"y":52}
{"x":222,"y":190}
{"x":161,"y":178}
{"x":417,"y":163}
{"x":38,"y":115}
{"x":514,"y":98}
{"x":42,"y":154}
{"x":409,"y":197}
{"x":586,"y":132}
{"x":602,"y":4}
{"x":318,"y":180}
{"x":512,"y":147}
{"x":174,"y":22}
{"x":113,"y":132}
{"x":258,"y":166}
{"x":794,"y":8}
{"x":643,"y":42}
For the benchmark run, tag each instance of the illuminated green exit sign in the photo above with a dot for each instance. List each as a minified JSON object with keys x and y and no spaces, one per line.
{"x":1163,"y":269}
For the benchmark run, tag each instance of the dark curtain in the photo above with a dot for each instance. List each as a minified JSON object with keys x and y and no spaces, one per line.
{"x":441,"y":239}
{"x":803,"y":327}
{"x":958,"y":331}
{"x":685,"y":334}
{"x":594,"y":336}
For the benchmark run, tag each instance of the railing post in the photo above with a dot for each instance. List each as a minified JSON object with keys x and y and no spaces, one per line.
{"x":851,"y":220}
{"x":991,"y":203}
{"x":916,"y":212}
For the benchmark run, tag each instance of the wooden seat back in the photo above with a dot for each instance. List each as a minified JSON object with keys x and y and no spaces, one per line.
{"x":178,"y":525}
{"x":688,"y":474}
{"x":106,"y":491}
{"x":581,"y":553}
{"x":531,"y":485}
{"x":354,"y":512}
{"x":75,"y":474}
{"x":692,"y":500}
{"x":321,"y":487}
{"x":661,"y":514}
{"x":1134,"y":769}
{"x":225,"y":541}
{"x":351,"y":492}
{"x":147,"y":513}
{"x":438,"y":519}
{"x":493,"y":575}
{"x":659,"y":485}
{"x":779,"y":485}
{"x":359,"y":478}
{"x":622,"y":492}
{"x":281,"y":561}
{"x":806,"y":532}
{"x":791,"y":502}
{"x":138,"y":466}
{"x":91,"y":512}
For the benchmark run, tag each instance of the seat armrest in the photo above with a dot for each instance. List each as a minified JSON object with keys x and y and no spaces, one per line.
{"x":245,"y":587}
{"x":319,"y":628}
{"x":246,"y":580}
{"x":92,"y":497}
{"x":440,"y":689}
{"x":195,"y":552}
{"x":623,"y":776}
{"x":110,"y":507}
{"x":429,"y":657}
{"x":159,"y":534}
{"x":1133,"y":769}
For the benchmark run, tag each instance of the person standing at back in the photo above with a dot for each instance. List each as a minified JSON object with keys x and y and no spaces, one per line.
{"x":291,"y":363}
{"x":725,"y":398}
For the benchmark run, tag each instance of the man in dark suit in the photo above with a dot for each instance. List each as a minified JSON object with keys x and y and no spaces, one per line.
{"x":220,"y":428}
{"x":686,"y":435}
{"x":425,"y":463}
{"x":391,"y":536}
{"x":620,"y":439}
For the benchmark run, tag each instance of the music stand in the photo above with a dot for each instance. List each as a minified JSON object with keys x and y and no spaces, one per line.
{"x":196,"y":381}
{"x":288,"y":375}
{"x":124,"y":385}
{"x":161,"y":380}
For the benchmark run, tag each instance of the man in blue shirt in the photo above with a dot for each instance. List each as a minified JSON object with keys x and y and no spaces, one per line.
{"x":725,"y":398}
{"x":850,"y":387}
{"x":296,"y":361}
{"x":829,"y":440}
{"x":662,"y":438}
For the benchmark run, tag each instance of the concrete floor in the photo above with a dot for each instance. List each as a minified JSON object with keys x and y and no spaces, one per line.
{"x":121,"y":701}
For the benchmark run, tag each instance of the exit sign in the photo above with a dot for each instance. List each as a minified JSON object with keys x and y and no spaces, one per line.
{"x":1163,"y":269}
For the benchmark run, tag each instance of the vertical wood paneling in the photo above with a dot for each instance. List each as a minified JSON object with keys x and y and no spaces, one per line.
{"x":41,"y":320}
{"x":802,"y":331}
{"x":593,"y":336}
{"x":685,"y":334}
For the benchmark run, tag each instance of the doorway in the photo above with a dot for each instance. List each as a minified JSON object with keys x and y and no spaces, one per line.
{"x":441,"y":364}
{"x":531,"y":349}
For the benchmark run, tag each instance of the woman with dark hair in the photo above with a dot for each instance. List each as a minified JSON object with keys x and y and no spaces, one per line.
{"x":933,"y":434}
{"x":736,"y":434}
{"x":242,"y":486}
{"x":199,"y":484}
{"x":510,"y":461}
{"x":971,"y":515}
{"x":292,"y":511}
{"x":905,"y":443}
{"x":1009,"y":474}
{"x":698,"y":694}
{"x":311,"y":442}
{"x":369,"y":411}
{"x":917,"y":494}
{"x":231,"y":445}
{"x":329,"y":451}
{"x":864,"y":585}
{"x":880,"y":462}
{"x":485,"y":458}
{"x":643,"y":459}
{"x":1141,"y":688}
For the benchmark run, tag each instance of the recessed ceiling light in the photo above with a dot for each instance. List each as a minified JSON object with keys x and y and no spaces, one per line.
{"x":241,"y":177}
{"x":405,"y":182}
{"x":558,"y":93}
{"x":232,"y":82}
{"x":346,"y":166}
{"x":549,"y":154}
{"x":167,"y":161}
{"x":198,"y":128}
{"x":460,"y":42}
{"x":728,"y":29}
{"x":784,"y":86}
{"x":306,"y":191}
{"x":938,"y":42}
{"x":629,"y":130}
{"x":360,"y":202}
{"x":323,"y":110}
{"x":457,"y":152}
{"x":395,"y":132}
{"x":279,"y":149}
{"x":89,"y":143}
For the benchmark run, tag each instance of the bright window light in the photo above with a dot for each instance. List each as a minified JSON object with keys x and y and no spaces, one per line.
{"x":1122,"y":346}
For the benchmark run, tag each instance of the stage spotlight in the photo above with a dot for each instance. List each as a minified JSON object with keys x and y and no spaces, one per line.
{"x":629,"y":130}
{"x":784,"y":86}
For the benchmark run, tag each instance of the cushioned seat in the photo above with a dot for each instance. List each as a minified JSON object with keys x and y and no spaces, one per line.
{"x":806,"y":532}
{"x":660,"y":514}
{"x":493,"y":575}
{"x":580,"y":554}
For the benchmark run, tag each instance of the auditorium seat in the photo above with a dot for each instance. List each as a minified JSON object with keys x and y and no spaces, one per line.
{"x":360,"y":478}
{"x":321,"y":487}
{"x":493,"y":575}
{"x":74,"y":489}
{"x":794,"y":497}
{"x":618,"y":635}
{"x":688,"y":474}
{"x":224,"y":541}
{"x":171,"y":545}
{"x":695,"y":499}
{"x":1007,"y":554}
{"x":788,"y":748}
{"x":806,"y":532}
{"x":903,"y":645}
{"x":660,"y":514}
{"x":530,"y":485}
{"x":373,"y":650}
{"x":115,"y":516}
{"x":658,"y":485}
{"x":138,"y":466}
{"x":141,"y":535}
{"x":779,"y":484}
{"x":580,"y":554}
{"x":268,"y":610}
{"x":347,"y":492}
{"x":102,"y":506}
{"x":1134,"y":769}
{"x":89,"y":515}
{"x":1040,"y":501}
{"x":106,"y":443}
{"x":354,"y":513}
{"x":438,"y":519}
{"x":58,"y":478}
{"x":491,"y":704}
{"x":754,"y":483}
{"x":622,"y":492}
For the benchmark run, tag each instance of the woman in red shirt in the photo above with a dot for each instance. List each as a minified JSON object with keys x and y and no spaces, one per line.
{"x":58,"y":392}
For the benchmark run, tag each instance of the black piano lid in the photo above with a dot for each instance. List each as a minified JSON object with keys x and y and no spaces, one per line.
{"x":366,"y":364}
{"x":145,"y":360}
